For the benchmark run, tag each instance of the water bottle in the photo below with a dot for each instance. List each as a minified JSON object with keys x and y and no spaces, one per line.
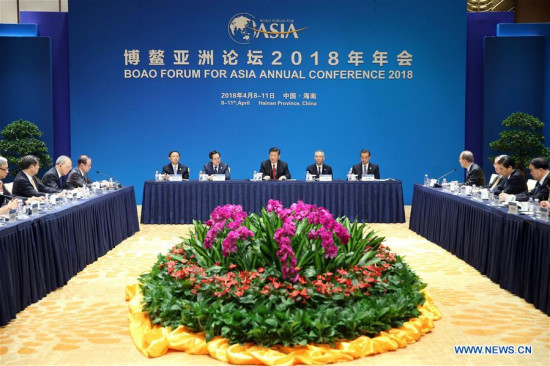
{"x":201,"y":175}
{"x":531,"y":206}
{"x":157,"y":175}
{"x":426,"y":180}
{"x":536,"y":207}
{"x":254,"y":176}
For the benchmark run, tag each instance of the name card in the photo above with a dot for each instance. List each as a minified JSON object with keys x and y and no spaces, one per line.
{"x":325,"y":178}
{"x":367,"y":177}
{"x":544,"y":214}
{"x":513,"y":208}
{"x":34,"y":208}
{"x":175,"y":178}
{"x":218,"y":177}
{"x":12,"y":215}
{"x":58,"y":201}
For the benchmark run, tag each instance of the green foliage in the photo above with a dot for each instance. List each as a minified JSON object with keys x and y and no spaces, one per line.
{"x":364,"y":290}
{"x":523,"y":140}
{"x":21,"y":138}
{"x":261,"y":250}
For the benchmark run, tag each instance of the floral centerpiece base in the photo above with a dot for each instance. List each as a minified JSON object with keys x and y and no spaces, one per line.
{"x":288,"y":286}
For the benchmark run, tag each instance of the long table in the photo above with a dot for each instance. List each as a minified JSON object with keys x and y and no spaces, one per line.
{"x":512,"y":250}
{"x":183,"y":202}
{"x":42,"y":253}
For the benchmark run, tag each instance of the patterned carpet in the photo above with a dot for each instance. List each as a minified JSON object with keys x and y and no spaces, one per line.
{"x":85,"y":322}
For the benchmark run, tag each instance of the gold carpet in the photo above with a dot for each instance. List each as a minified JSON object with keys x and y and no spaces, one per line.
{"x":85,"y":322}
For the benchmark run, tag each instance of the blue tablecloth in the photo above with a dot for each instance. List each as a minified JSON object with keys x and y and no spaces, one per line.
{"x":183,"y":202}
{"x":42,"y":253}
{"x":512,"y":250}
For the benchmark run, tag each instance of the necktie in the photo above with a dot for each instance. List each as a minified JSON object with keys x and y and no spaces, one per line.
{"x":274,"y":172}
{"x":496,"y":181}
{"x":61,"y":182}
{"x":319,"y":171}
{"x":537,"y":187}
{"x":216,"y":169}
{"x":365,"y":171}
{"x":33,"y":184}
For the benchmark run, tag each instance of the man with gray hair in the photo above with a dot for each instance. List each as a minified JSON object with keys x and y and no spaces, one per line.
{"x":474,"y":174}
{"x":6,"y":203}
{"x":319,"y":167}
{"x":55,"y":179}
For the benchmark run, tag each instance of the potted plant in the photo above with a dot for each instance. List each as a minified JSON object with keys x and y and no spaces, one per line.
{"x":21,"y":138}
{"x":522,"y":139}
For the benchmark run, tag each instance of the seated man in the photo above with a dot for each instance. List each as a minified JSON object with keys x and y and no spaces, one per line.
{"x":78,"y":177}
{"x":515,"y":183}
{"x":274,"y":168}
{"x":474,"y":174}
{"x":499,"y":181}
{"x":539,"y":170}
{"x":319,"y":167}
{"x":6,"y":203}
{"x":56,"y":177}
{"x":26,"y":184}
{"x":365,"y":167}
{"x":216,"y":166}
{"x":175,"y":167}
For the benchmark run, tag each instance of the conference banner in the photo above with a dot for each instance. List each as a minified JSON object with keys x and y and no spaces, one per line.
{"x":148,"y":77}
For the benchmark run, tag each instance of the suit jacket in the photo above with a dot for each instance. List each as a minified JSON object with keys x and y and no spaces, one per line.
{"x":182,"y":169}
{"x":515,"y":184}
{"x":373,"y":169}
{"x":540,"y":192}
{"x":497,"y":189}
{"x":53,"y":182}
{"x":312,"y":169}
{"x":76,"y":179}
{"x":282,"y":169}
{"x":475,"y":176}
{"x":22,"y":186}
{"x":5,"y":191}
{"x":223,"y":168}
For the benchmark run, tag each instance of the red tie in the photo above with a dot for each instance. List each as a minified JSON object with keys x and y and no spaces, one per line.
{"x":274,"y":172}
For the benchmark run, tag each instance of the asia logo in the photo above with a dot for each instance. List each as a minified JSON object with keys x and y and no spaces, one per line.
{"x":244,"y":27}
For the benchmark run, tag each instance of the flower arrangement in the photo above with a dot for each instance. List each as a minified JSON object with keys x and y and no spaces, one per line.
{"x":286,"y":277}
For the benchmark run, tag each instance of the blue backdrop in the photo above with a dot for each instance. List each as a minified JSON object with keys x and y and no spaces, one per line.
{"x":412,"y":119}
{"x":26,"y":82}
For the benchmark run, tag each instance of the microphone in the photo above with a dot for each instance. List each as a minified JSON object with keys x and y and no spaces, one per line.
{"x":11,"y":196}
{"x":108,"y":177}
{"x":436,"y":185}
{"x":446,"y":174}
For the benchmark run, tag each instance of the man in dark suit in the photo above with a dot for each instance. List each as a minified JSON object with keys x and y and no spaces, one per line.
{"x":365,"y":167}
{"x":497,"y":183}
{"x":274,"y":168}
{"x":474,"y":174}
{"x":78,"y":177}
{"x":10,"y":204}
{"x":515,"y":182}
{"x":175,"y":167}
{"x":319,"y":167}
{"x":56,"y":177}
{"x":539,"y":170}
{"x":216,"y":166}
{"x":26,"y":184}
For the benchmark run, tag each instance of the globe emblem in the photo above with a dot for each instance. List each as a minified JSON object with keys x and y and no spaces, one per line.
{"x":239,"y":28}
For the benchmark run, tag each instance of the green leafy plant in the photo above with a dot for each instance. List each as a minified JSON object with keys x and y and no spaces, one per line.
{"x":522,"y":140}
{"x":21,"y":138}
{"x":238,"y":288}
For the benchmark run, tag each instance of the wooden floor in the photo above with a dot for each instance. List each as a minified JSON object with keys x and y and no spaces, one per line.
{"x":85,"y":322}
